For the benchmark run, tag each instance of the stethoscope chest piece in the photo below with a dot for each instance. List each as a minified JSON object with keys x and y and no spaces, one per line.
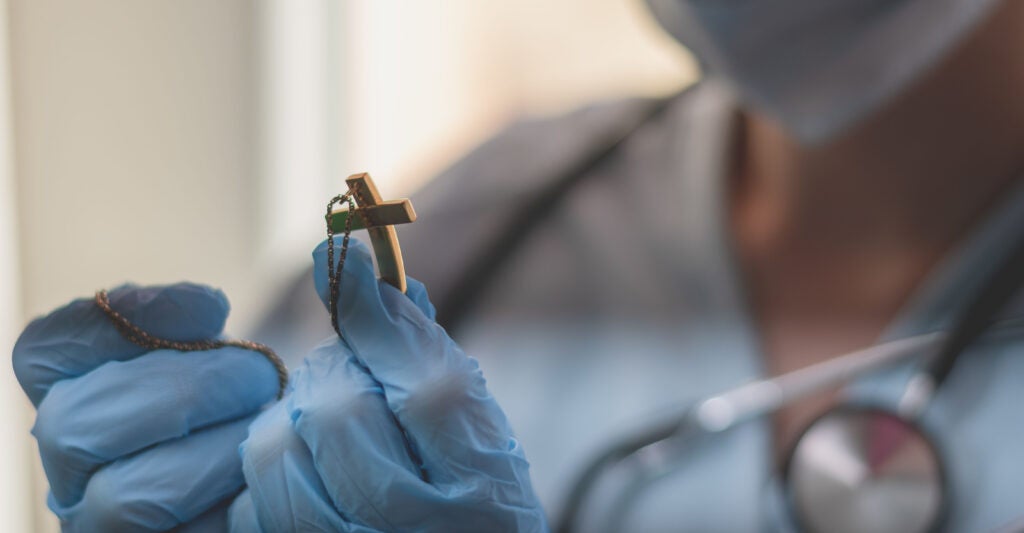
{"x":865,"y":470}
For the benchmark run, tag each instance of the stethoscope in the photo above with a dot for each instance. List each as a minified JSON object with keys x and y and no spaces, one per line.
{"x":855,"y":468}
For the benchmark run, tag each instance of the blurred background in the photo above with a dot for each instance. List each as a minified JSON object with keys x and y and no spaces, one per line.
{"x":185,"y":139}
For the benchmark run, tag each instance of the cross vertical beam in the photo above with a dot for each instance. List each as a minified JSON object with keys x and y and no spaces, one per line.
{"x":378,"y":218}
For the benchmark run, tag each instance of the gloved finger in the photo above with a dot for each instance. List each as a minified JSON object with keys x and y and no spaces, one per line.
{"x":417,"y":292}
{"x":243,"y":519}
{"x":437,"y":393}
{"x":242,"y":515}
{"x":214,"y":520}
{"x":162,"y":487}
{"x":358,"y":449}
{"x":126,"y":406}
{"x":79,"y":337}
{"x":285,"y":492}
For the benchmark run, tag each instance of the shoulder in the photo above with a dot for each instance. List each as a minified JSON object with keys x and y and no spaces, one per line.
{"x":523,"y":156}
{"x":472,"y":200}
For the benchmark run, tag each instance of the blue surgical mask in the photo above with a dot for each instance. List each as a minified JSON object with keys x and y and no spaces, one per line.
{"x":818,"y":66}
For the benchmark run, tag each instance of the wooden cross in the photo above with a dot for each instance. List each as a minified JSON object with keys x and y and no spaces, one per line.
{"x":378,"y":218}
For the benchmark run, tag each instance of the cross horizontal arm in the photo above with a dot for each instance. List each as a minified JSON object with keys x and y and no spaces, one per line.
{"x":384,"y":214}
{"x":378,"y":218}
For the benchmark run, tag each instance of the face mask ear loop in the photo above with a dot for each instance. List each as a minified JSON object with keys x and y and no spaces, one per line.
{"x":976,"y":318}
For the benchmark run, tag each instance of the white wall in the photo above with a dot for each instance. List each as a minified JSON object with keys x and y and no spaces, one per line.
{"x":135,"y":137}
{"x":428,"y":79}
{"x":134,"y":127}
{"x":18,"y":492}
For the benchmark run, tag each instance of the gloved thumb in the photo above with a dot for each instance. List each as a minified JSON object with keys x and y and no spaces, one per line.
{"x":437,"y":393}
{"x":359,"y":275}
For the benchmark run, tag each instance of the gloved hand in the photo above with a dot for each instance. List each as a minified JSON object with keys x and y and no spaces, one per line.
{"x":133,"y":440}
{"x":389,"y":428}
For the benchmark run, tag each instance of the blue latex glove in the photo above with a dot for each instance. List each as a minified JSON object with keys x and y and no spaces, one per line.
{"x":368,"y":415}
{"x":133,"y":440}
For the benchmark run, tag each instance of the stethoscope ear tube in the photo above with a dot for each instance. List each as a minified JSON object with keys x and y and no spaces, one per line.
{"x":567,"y":521}
{"x":981,"y":312}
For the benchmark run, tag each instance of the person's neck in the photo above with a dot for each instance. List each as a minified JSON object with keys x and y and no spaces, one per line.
{"x":914,"y":177}
{"x":833,"y":239}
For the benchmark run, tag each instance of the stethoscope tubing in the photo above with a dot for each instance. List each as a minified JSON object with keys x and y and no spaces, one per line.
{"x":763,"y":397}
{"x":660,"y":444}
{"x":759,"y":398}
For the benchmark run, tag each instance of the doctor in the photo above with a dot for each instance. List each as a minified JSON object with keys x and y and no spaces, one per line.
{"x":848,"y":171}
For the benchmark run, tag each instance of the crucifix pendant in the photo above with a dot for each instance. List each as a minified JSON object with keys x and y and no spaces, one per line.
{"x":378,"y":218}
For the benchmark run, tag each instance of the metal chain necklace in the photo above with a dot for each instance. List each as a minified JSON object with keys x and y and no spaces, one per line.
{"x":146,"y":340}
{"x":142,"y":338}
{"x":334,"y":273}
